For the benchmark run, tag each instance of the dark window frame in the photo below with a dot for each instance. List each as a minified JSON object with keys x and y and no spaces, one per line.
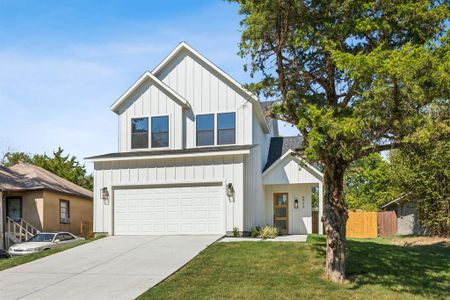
{"x":60,"y":211}
{"x":7,"y":198}
{"x":166,"y":132}
{"x":208,"y":130}
{"x":133,"y":134}
{"x":226,"y":129}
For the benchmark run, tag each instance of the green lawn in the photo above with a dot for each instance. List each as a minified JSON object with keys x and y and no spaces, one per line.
{"x":18,"y":260}
{"x":266,"y":270}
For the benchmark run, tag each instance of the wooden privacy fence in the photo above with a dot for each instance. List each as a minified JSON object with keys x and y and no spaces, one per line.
{"x":363,"y":224}
{"x":315,"y":221}
{"x":86,"y":229}
{"x":387,"y":223}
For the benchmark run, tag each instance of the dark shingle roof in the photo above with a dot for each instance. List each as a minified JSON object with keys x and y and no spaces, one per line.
{"x":280,"y":145}
{"x":172,"y":152}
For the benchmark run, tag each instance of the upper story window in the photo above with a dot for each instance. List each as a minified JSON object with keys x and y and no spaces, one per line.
{"x":205,"y":130}
{"x":160,"y":132}
{"x":139,"y":133}
{"x":226,"y":128}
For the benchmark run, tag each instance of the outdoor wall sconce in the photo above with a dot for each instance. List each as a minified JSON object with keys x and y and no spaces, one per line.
{"x":296,"y":203}
{"x":104,"y":194}
{"x":229,"y":190}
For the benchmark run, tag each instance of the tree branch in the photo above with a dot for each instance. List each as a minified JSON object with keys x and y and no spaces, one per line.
{"x":379,"y":148}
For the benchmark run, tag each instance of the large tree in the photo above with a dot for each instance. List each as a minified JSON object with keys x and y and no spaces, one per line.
{"x":355,"y":77}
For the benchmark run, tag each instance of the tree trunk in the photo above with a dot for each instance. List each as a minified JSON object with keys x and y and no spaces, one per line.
{"x":335,"y":220}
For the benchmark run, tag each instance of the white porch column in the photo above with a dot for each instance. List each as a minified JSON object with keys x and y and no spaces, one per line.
{"x":320,"y":207}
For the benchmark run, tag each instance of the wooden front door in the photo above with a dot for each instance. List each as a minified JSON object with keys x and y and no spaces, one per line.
{"x":281,"y":212}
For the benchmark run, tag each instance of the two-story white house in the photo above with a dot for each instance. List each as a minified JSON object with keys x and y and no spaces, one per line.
{"x":198,"y":156}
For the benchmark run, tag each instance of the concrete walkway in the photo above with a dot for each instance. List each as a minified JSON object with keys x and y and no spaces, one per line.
{"x":282,"y":238}
{"x":118,"y":267}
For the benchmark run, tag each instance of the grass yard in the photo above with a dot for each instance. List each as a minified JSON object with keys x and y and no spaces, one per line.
{"x":18,"y":260}
{"x":378,"y":269}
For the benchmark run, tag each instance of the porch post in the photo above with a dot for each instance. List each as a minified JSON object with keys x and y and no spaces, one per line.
{"x":320,"y":207}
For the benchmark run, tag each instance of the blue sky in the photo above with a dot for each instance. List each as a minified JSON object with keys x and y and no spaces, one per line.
{"x":63,"y":63}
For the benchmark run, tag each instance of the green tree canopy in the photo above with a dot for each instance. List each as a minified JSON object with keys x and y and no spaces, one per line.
{"x":65,"y":166}
{"x":355,"y":77}
{"x":423,"y":172}
{"x":370,"y":183}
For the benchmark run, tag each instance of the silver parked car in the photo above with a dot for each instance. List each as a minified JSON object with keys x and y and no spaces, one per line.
{"x":43,"y":241}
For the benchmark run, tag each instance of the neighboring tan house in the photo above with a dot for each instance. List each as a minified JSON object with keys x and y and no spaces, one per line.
{"x":198,"y":156}
{"x":407,"y":212}
{"x":35,"y":200}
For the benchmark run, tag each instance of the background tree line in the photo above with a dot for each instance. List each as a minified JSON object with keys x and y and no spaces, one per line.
{"x":421,"y":171}
{"x":65,"y":166}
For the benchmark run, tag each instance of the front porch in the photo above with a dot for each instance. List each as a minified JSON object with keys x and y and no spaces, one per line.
{"x":289,"y":186}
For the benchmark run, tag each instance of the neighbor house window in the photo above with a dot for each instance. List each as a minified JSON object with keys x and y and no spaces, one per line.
{"x":64,"y":212}
{"x":139,"y":133}
{"x":205,"y":130}
{"x":226,"y":128}
{"x":160,"y":132}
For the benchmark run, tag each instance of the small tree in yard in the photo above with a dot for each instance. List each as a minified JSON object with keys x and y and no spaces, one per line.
{"x":355,"y":77}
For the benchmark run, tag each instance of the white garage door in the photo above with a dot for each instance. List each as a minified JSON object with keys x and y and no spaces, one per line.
{"x":169,"y":210}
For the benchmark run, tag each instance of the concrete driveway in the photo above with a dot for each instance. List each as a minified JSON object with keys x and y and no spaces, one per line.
{"x":119,"y":267}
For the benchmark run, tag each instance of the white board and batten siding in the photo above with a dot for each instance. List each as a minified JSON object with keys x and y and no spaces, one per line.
{"x":180,"y":172}
{"x":288,"y":171}
{"x":207,"y":92}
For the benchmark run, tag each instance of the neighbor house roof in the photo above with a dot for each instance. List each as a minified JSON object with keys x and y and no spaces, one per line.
{"x":13,"y":181}
{"x":27,"y":177}
{"x":280,"y":145}
{"x":215,"y":150}
{"x":396,"y":200}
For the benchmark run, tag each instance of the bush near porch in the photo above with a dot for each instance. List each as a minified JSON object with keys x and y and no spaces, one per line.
{"x":378,"y":269}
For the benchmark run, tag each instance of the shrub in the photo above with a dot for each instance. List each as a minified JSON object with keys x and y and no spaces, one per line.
{"x":255,"y":231}
{"x":268,"y":232}
{"x":235,"y":232}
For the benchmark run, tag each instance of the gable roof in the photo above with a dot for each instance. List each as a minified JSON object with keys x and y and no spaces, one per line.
{"x":183,"y":46}
{"x":28,"y":177}
{"x":158,"y":83}
{"x":279,"y":146}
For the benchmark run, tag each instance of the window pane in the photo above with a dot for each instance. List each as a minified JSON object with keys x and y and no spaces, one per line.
{"x":226,"y":120}
{"x":139,"y":140}
{"x":160,"y":132}
{"x":160,"y":124}
{"x":205,"y":138}
{"x":205,"y":130}
{"x":205,"y":122}
{"x":281,"y":212}
{"x":139,"y":133}
{"x":226,"y":136}
{"x":226,"y":124}
{"x":139,"y":125}
{"x":281,"y":224}
{"x":160,"y":140}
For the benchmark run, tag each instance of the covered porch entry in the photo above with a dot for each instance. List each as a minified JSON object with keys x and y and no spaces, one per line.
{"x":290,"y":186}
